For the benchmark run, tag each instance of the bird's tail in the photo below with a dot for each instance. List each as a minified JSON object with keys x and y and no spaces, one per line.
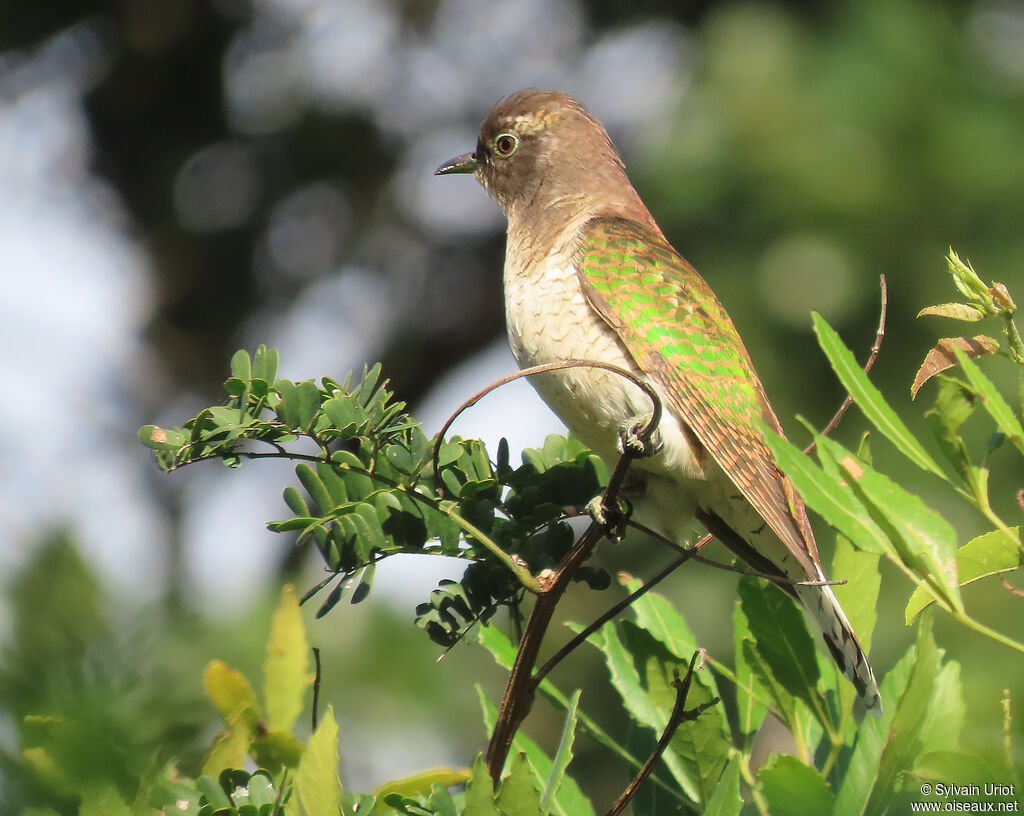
{"x":839,"y":636}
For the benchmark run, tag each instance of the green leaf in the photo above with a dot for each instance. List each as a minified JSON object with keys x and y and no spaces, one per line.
{"x":924,"y":540}
{"x":300,"y":403}
{"x":909,"y":720}
{"x":480,"y":791}
{"x":286,"y":670}
{"x":998,"y":408}
{"x":990,"y":554}
{"x":162,"y":439}
{"x":958,"y":768}
{"x":966,"y":279}
{"x":365,"y":584}
{"x":792,"y":789}
{"x":264,"y":364}
{"x":241,"y":365}
{"x":518,"y":794}
{"x":492,"y":639}
{"x":563,"y":756}
{"x":782,"y":639}
{"x":316,"y":790}
{"x":657,"y":615}
{"x":869,"y":399}
{"x":862,"y":774}
{"x":698,"y":750}
{"x":827,"y":494}
{"x":568,"y":799}
{"x":751,"y":696}
{"x":726,"y":800}
{"x":858,"y":598}
{"x":954,"y":403}
{"x":315,"y":487}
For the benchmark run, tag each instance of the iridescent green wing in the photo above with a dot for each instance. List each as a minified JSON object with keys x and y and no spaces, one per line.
{"x":680,"y":335}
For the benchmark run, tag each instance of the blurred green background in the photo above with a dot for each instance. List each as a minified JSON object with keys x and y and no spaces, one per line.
{"x":182,"y":178}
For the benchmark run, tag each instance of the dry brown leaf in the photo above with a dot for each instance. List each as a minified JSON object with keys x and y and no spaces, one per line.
{"x":942,"y":357}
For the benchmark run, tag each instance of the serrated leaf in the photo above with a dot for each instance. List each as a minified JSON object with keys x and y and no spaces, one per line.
{"x":781,"y":637}
{"x":316,"y":790}
{"x":655,"y":613}
{"x":869,"y":399}
{"x":924,"y":539}
{"x":793,"y":789}
{"x":563,"y":756}
{"x":568,"y":799}
{"x":827,"y":494}
{"x":750,"y":694}
{"x":480,"y":790}
{"x":909,"y":719}
{"x":519,"y":794}
{"x":862,"y":774}
{"x":998,"y":408}
{"x":858,"y":598}
{"x":492,"y":639}
{"x":990,"y":554}
{"x":286,"y":669}
{"x":943,"y":356}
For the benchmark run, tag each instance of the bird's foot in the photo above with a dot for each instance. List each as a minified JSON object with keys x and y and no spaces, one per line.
{"x":632,"y":444}
{"x":613,"y":517}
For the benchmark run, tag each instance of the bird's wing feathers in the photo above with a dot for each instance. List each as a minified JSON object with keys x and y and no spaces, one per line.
{"x":678,"y":333}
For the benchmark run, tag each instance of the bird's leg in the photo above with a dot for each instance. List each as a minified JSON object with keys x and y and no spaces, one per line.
{"x":613,"y":516}
{"x":631,"y":443}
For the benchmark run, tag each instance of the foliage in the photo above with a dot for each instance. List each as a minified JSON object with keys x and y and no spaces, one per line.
{"x":371,"y":486}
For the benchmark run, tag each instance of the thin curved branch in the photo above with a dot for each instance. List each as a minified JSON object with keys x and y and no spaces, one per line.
{"x":877,"y":347}
{"x":644,"y":433}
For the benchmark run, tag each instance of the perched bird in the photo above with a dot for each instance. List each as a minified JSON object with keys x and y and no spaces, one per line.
{"x":589,"y":275}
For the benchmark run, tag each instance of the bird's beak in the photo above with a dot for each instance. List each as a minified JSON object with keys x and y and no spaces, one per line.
{"x":466,"y":163}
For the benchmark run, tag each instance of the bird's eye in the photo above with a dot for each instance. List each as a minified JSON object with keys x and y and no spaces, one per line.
{"x":505,"y":145}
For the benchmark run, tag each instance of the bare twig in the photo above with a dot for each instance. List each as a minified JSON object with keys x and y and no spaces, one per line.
{"x":522,"y":685}
{"x":879,"y":337}
{"x":580,"y":637}
{"x":316,"y":685}
{"x":678,"y":716}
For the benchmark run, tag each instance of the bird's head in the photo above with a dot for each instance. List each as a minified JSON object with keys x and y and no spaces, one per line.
{"x":543,"y":151}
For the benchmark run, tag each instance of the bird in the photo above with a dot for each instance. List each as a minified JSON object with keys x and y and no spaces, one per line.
{"x":589,"y":275}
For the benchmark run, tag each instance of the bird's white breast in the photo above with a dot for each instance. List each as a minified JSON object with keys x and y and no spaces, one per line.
{"x":549,"y":319}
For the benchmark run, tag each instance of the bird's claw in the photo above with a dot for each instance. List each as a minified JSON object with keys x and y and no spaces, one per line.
{"x":613,"y":517}
{"x":631,"y":443}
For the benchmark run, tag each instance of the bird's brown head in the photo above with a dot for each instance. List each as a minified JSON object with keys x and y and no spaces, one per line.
{"x":541,"y":152}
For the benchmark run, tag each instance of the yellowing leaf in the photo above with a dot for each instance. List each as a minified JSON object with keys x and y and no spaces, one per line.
{"x":957,"y":311}
{"x":423,"y":781}
{"x":942,"y":356}
{"x":286,"y":670}
{"x":316,"y":789}
{"x":232,"y":744}
{"x":229,"y":691}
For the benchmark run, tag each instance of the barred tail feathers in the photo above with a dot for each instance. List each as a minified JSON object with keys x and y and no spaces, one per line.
{"x":842,"y":643}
